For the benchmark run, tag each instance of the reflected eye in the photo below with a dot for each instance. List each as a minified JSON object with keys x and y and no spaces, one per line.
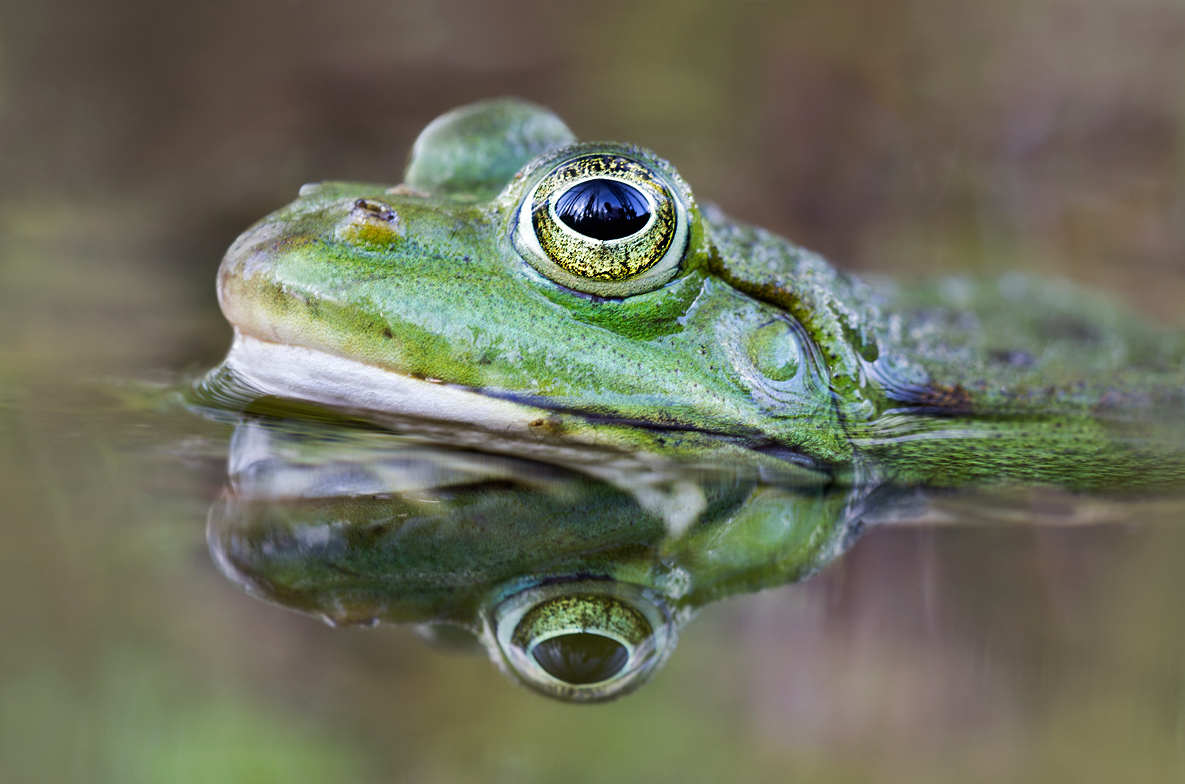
{"x":603,"y":224}
{"x":583,"y":641}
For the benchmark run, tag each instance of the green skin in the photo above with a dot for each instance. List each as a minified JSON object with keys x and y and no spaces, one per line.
{"x":755,"y":347}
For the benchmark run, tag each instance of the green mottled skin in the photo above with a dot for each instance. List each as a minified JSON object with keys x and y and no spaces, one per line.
{"x":947,"y":385}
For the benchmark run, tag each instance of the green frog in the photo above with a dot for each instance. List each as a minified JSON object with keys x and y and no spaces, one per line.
{"x":568,"y":405}
{"x":542,"y":295}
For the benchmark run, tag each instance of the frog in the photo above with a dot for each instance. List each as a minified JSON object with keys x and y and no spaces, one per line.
{"x":538,"y":400}
{"x":572,"y":586}
{"x":536,"y":295}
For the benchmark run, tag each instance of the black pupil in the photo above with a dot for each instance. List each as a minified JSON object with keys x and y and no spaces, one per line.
{"x":581,"y":658}
{"x":603,"y":209}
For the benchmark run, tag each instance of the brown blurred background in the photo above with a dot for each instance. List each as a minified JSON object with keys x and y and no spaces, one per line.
{"x":910,"y":136}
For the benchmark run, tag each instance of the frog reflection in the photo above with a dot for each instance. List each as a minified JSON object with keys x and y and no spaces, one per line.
{"x":576,"y":586}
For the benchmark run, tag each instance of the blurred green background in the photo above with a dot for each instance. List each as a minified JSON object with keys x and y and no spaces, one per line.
{"x":902,"y":137}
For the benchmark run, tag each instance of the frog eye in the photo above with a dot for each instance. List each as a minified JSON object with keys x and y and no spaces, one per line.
{"x":583,"y":642}
{"x":603,"y":224}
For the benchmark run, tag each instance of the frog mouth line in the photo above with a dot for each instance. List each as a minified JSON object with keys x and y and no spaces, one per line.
{"x":316,"y":376}
{"x":319,"y":377}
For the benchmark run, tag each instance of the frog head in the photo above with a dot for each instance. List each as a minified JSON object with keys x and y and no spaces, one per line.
{"x":521,"y":282}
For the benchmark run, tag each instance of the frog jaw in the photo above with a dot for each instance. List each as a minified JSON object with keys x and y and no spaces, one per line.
{"x":639,"y":458}
{"x":331,"y":380}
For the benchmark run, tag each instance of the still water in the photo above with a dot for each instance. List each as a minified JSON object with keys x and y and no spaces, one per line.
{"x":156,"y":626}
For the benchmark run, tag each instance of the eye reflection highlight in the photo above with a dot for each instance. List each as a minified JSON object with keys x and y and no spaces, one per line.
{"x":603,"y":209}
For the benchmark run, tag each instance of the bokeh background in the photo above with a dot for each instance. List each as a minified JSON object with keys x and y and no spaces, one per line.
{"x":899,"y":137}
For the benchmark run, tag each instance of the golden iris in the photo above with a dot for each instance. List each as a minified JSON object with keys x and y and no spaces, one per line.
{"x":603,"y":224}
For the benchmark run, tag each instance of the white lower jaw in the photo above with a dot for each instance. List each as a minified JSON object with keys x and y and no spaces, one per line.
{"x":320,"y":377}
{"x":487,"y":423}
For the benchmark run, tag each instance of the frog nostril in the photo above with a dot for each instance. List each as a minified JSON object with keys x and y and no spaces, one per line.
{"x":372,"y":208}
{"x":371,"y":223}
